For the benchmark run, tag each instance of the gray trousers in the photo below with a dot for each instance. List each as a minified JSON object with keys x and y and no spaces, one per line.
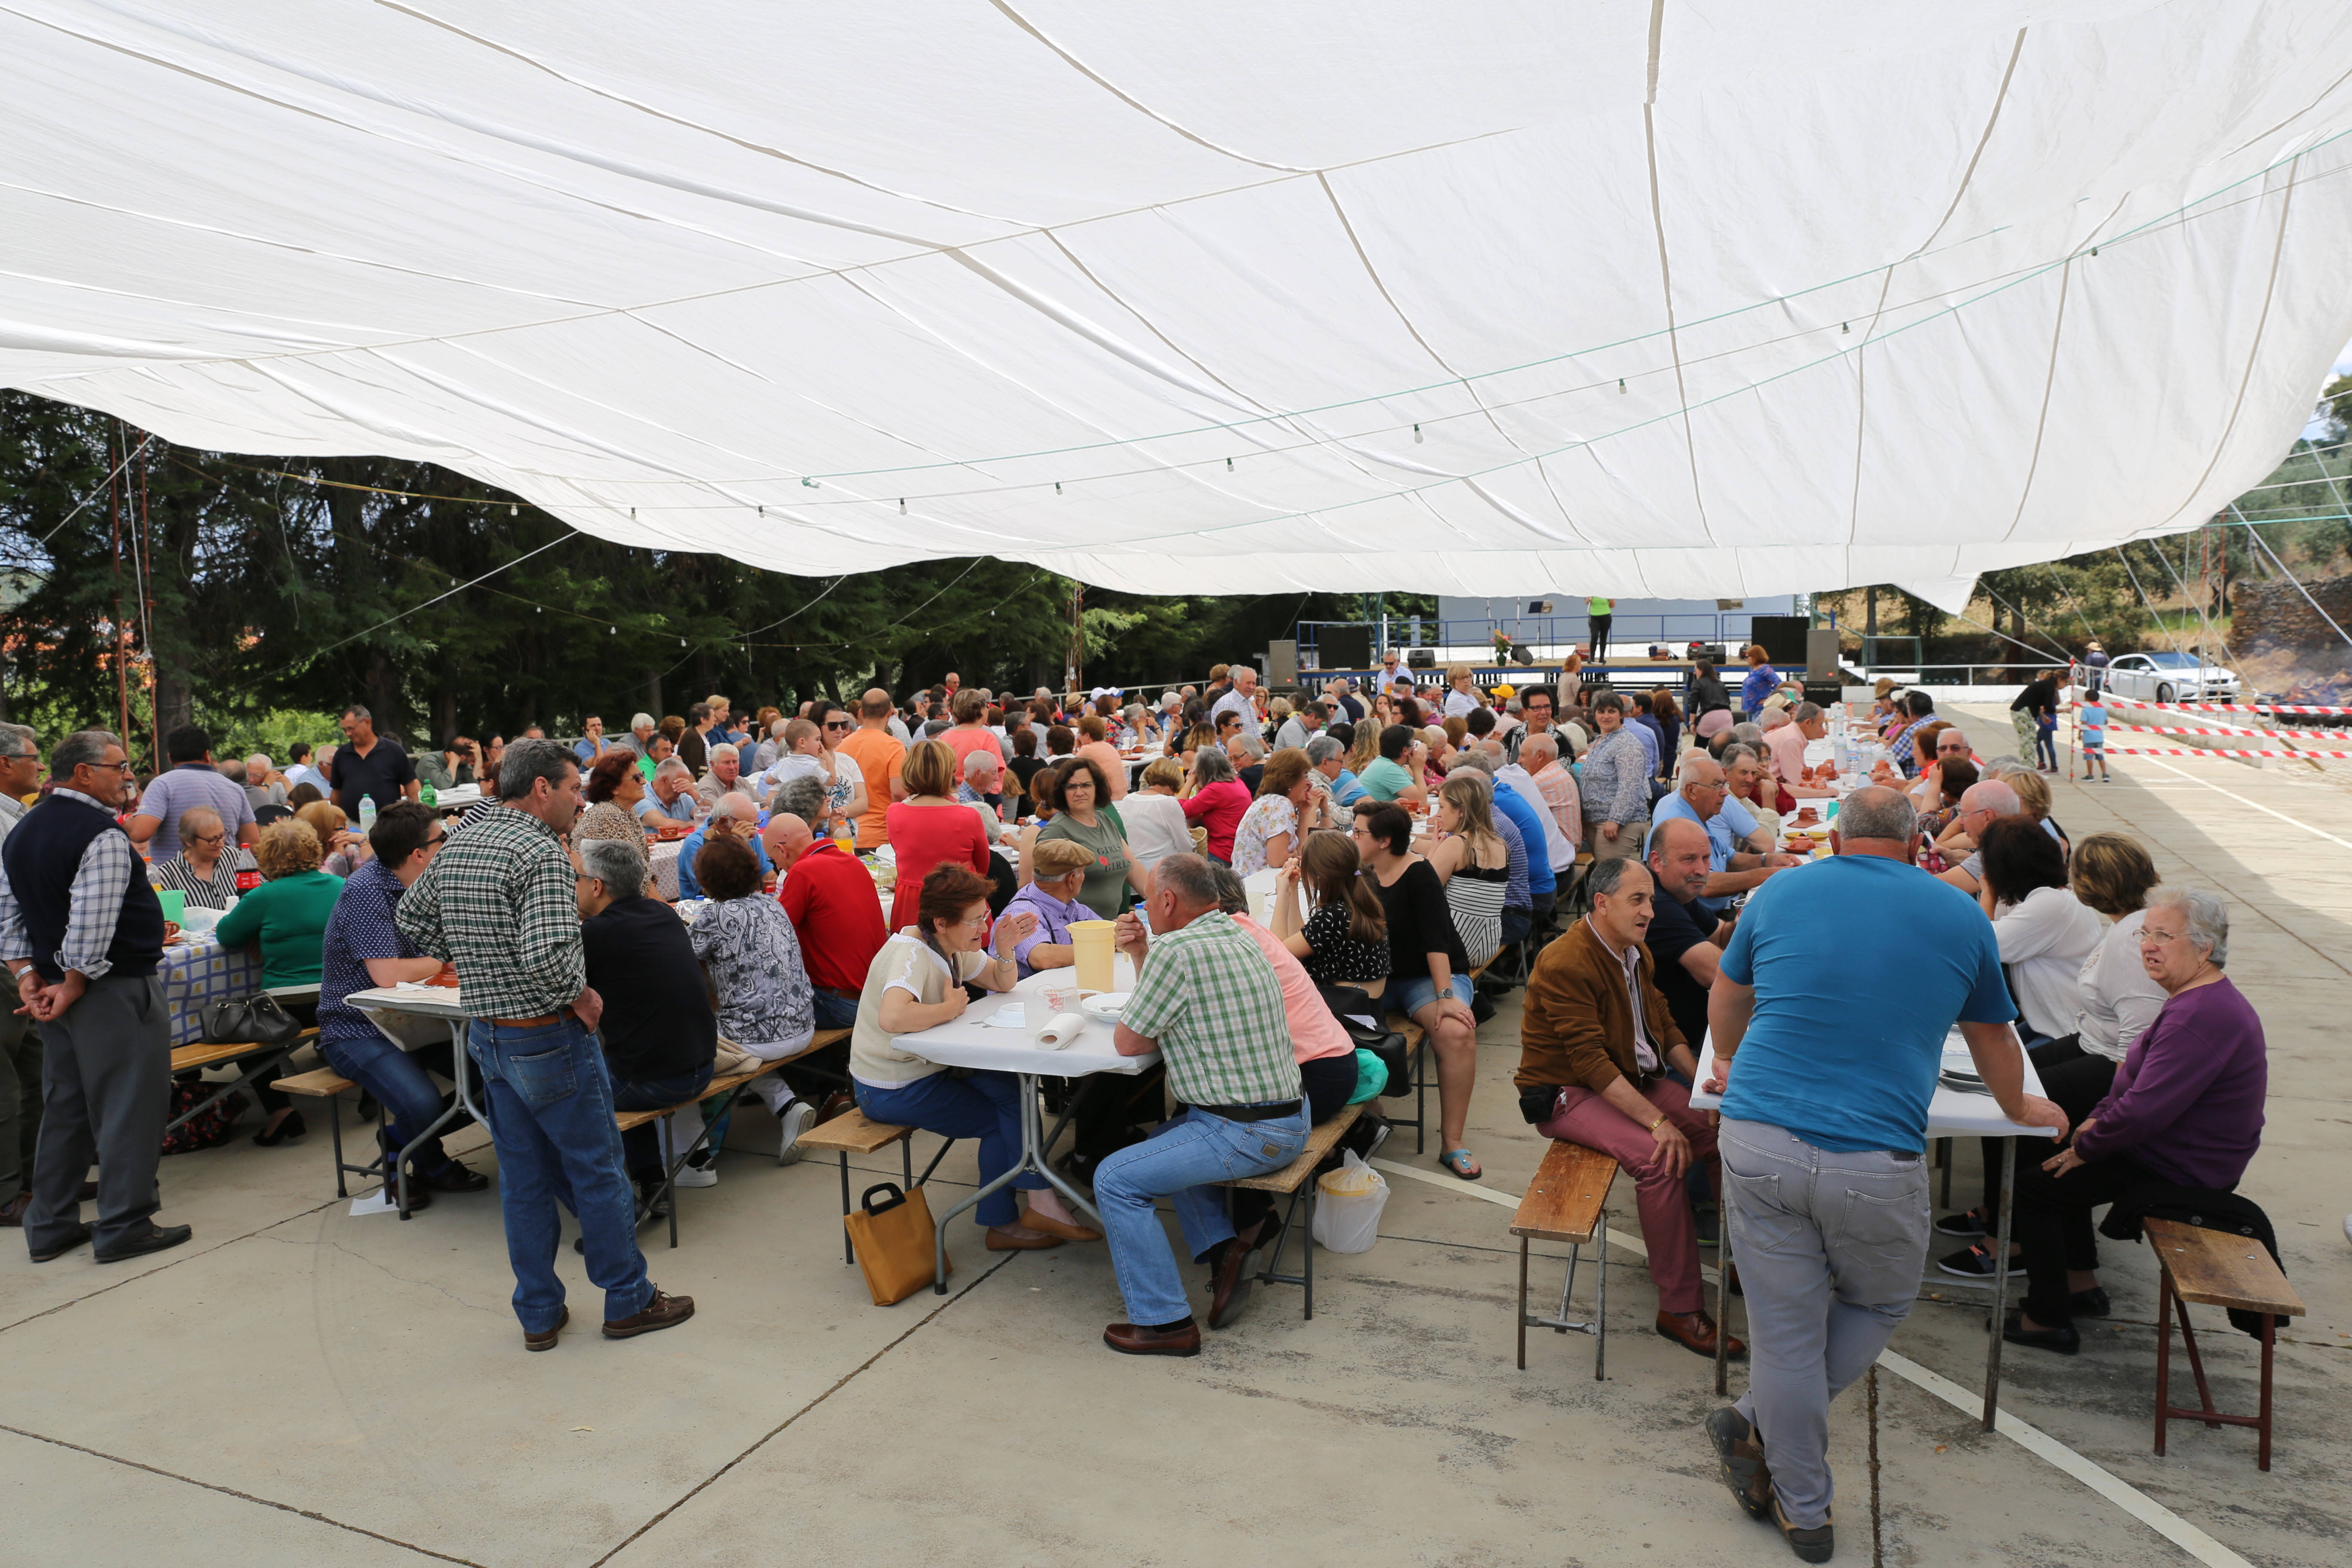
{"x":20,"y":1097}
{"x":106,"y":1081}
{"x":1830,"y":1247}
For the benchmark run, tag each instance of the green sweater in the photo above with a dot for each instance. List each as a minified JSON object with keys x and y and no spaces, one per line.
{"x":289,"y":918}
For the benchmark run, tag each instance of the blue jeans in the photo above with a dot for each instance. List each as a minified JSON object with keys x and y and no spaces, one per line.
{"x":399,"y":1081}
{"x":1420,"y":991}
{"x":986,"y":1106}
{"x":1182,"y":1156}
{"x":834,"y":1011}
{"x":550,"y":1105}
{"x":641,"y":1146}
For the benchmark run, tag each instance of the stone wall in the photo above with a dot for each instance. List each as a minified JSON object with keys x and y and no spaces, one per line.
{"x":2276,"y":614}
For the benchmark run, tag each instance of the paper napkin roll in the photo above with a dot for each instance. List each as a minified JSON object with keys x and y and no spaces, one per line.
{"x":1061,"y":1030}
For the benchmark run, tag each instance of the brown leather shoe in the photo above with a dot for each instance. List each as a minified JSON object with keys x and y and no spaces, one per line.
{"x":546,"y":1342}
{"x":835,"y":1103}
{"x":664,"y":1311}
{"x":1053,"y":1227}
{"x":1229,"y":1289}
{"x":1000,"y":1242}
{"x":12,"y":1213}
{"x":1695,"y":1332}
{"x":1129,"y":1340}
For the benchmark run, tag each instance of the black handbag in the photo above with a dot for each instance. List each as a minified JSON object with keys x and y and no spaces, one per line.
{"x":256,"y":1019}
{"x":1351,"y":1002}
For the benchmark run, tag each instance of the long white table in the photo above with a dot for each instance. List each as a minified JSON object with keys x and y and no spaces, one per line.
{"x":972,"y":1041}
{"x":1951,"y":1113}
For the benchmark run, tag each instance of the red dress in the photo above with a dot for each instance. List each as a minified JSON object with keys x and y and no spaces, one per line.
{"x":928,"y":835}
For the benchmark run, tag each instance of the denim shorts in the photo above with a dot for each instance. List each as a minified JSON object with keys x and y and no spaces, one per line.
{"x":1414,"y":995}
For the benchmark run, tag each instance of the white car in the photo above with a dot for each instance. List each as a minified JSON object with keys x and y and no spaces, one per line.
{"x":2171,"y":676}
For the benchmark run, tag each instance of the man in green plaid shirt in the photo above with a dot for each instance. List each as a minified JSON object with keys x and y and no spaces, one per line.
{"x":1208,"y":1001}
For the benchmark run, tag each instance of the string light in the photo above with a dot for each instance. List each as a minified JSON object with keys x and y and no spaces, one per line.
{"x":1620,"y":384}
{"x":1416,"y":432}
{"x":1057,"y":487}
{"x":902,"y":506}
{"x":811,"y":483}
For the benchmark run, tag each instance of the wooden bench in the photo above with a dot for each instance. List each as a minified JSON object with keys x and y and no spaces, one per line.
{"x":252,"y":1057}
{"x":724,"y":1089}
{"x":1297,"y":1179}
{"x":1420,"y":1068}
{"x":854,"y":1133}
{"x":326,"y":1083}
{"x":2217,"y":1268}
{"x":1567,"y":1201}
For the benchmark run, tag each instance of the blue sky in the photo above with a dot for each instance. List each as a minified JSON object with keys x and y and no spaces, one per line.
{"x":2343,"y":367}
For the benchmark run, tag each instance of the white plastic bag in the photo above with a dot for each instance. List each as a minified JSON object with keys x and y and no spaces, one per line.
{"x":1348,"y":1204}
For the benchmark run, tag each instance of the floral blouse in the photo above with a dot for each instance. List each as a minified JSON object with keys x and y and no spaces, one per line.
{"x":754,"y":959}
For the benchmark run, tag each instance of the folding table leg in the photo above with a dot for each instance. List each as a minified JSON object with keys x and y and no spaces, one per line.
{"x":2263,"y":1423}
{"x":848,"y":1248}
{"x":1522,"y":1303}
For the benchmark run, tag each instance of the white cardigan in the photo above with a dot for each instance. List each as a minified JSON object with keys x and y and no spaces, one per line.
{"x":2045,"y":942}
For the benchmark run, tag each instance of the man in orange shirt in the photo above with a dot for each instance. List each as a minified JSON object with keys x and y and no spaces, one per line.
{"x":878,"y":757}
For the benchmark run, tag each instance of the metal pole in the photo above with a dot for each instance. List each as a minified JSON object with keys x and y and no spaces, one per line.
{"x":2000,"y":1281}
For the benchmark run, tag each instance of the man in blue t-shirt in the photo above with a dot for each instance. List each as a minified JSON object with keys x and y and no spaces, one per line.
{"x":1740,"y":852}
{"x":1836,"y":993}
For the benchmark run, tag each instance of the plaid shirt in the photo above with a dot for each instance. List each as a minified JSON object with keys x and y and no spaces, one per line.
{"x":498,"y":901}
{"x":1213,"y":1001}
{"x":100,"y":880}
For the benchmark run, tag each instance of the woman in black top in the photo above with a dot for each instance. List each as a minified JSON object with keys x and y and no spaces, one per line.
{"x":1426,"y":963}
{"x":1706,"y":693}
{"x":1346,"y":941}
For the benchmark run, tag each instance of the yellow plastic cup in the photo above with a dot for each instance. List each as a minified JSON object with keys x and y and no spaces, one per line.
{"x":1092,"y":939}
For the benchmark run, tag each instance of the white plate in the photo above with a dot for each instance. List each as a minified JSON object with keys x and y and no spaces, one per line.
{"x":1105,"y":1005}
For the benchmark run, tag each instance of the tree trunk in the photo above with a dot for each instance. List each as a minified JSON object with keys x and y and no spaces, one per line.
{"x":653,"y":694}
{"x":445,"y":710}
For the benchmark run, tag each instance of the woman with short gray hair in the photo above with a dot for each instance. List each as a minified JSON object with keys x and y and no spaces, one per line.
{"x":2184,"y":1110}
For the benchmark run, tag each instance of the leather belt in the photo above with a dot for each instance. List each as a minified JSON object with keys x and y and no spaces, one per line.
{"x":529,"y":1022}
{"x":1268,"y":1113}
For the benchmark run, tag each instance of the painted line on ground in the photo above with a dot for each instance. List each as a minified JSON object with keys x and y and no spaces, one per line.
{"x":2258,"y":805}
{"x":2024,"y":1434}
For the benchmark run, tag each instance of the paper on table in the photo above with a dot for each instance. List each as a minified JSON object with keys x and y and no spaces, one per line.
{"x":1064,"y":1028}
{"x":1015,"y":1017}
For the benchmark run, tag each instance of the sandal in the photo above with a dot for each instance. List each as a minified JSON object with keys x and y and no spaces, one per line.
{"x":1459,"y":1162}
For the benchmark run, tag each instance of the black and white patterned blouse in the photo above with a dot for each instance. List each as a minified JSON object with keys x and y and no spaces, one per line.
{"x":1339,"y":959}
{"x":754,"y":958}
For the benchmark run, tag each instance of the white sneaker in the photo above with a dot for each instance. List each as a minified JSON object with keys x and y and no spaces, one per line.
{"x":703,"y":1174}
{"x":796,"y":1118}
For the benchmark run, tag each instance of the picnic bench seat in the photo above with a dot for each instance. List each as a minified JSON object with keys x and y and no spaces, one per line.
{"x":254,"y":1058}
{"x":1567,"y":1200}
{"x":326,"y":1083}
{"x":855,"y":1132}
{"x":724,"y":1089}
{"x":2215,"y":1268}
{"x":1420,"y":1070}
{"x":1297,"y":1180}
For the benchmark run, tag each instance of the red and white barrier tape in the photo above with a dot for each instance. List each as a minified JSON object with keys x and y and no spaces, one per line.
{"x":2197,"y":751}
{"x":2262,"y":707}
{"x":2224,"y":729}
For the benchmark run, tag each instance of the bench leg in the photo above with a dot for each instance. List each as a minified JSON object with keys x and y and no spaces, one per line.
{"x":335,"y":1127}
{"x":1306,"y":1242}
{"x":2262,"y":1422}
{"x":2163,"y":1352}
{"x":1600,"y":1298}
{"x":945,"y":1144}
{"x":2196,"y":1362}
{"x":848,"y":1248}
{"x":1522,"y":1303}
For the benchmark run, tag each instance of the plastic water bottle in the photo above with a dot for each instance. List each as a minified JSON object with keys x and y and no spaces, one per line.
{"x":367,"y":814}
{"x":427,"y":794}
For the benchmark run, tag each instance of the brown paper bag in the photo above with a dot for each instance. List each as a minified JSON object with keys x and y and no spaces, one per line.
{"x":893,"y":1240}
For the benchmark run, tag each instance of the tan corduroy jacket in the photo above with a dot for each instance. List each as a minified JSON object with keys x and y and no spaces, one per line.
{"x":1577,"y":1026}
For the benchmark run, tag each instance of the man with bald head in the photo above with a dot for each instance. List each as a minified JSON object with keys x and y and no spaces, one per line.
{"x":879,"y":755}
{"x":1981,"y":804}
{"x":736,"y":816}
{"x":1742,"y":853}
{"x":1539,"y":754}
{"x":1828,"y":1017}
{"x":1686,"y":937}
{"x":831,"y":898}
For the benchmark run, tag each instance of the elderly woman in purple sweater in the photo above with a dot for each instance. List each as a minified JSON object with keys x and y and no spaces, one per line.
{"x":2184,"y":1110}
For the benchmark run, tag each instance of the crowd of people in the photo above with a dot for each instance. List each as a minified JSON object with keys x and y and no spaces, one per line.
{"x":1413,"y":834}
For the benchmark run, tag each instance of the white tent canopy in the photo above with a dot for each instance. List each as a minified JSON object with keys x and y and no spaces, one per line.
{"x":1652,"y":298}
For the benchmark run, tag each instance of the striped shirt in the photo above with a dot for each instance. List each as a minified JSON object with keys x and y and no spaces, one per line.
{"x":1212,"y":1002}
{"x":213,"y":893}
{"x":498,"y":901}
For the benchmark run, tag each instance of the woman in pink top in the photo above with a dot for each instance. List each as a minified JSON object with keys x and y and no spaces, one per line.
{"x":969,"y":734}
{"x":1094,"y":744}
{"x":1218,"y":802}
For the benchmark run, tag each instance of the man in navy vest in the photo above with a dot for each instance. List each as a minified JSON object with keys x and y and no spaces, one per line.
{"x":82,"y":931}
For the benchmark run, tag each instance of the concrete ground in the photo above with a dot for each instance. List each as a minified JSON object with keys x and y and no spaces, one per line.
{"x":299,"y":1385}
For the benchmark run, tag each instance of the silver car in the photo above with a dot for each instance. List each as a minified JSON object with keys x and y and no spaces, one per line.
{"x":2171,"y":676}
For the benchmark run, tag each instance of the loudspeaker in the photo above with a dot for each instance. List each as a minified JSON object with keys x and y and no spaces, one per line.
{"x":1343,"y":648}
{"x":1822,"y":654}
{"x":1282,"y":663}
{"x":1519,"y":654}
{"x":1421,"y":658}
{"x":1783,"y":638}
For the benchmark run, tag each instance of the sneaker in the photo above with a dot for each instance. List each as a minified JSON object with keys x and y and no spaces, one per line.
{"x":796,"y":1118}
{"x":1974,"y":1263}
{"x":664,"y":1311}
{"x":1742,"y":1457}
{"x":699,"y":1171}
{"x":1970,"y":1224}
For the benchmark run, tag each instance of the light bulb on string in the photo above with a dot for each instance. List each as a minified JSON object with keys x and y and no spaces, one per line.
{"x":1057,"y":487}
{"x":1416,"y":433}
{"x":811,"y":483}
{"x":902,"y":506}
{"x":1228,"y":465}
{"x":1620,"y":384}
{"x":513,"y":511}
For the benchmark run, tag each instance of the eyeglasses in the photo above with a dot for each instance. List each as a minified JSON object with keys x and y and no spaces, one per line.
{"x":203,"y":837}
{"x":433,"y":842}
{"x":119,"y":767}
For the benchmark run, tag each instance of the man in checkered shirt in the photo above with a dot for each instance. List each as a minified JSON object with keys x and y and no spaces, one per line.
{"x":500,"y":900}
{"x":1208,"y":1001}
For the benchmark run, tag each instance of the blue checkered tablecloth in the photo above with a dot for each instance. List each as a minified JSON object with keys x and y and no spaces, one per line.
{"x":198,"y":972}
